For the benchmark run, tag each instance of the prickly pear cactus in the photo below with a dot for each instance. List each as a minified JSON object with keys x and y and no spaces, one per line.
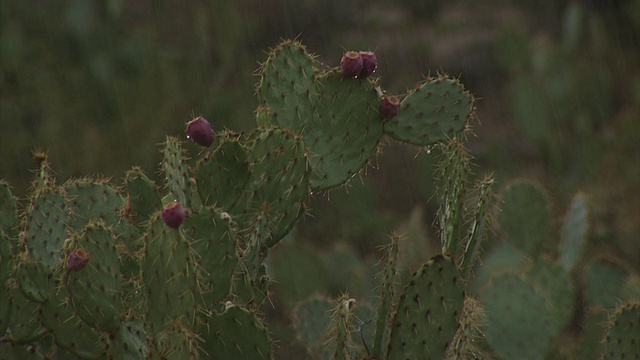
{"x":434,"y":111}
{"x":426,"y":318}
{"x":621,"y":340}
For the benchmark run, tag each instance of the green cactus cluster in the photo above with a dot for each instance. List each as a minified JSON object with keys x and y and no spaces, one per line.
{"x":93,"y":270}
{"x":96,"y":270}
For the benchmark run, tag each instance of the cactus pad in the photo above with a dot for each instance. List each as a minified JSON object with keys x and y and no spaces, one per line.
{"x":518,"y":320}
{"x":236,"y":334}
{"x":622,"y":340}
{"x":175,"y":169}
{"x":426,"y":319}
{"x":143,"y":199}
{"x":435,"y":111}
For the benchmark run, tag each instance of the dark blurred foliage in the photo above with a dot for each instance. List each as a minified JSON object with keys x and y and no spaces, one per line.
{"x":98,"y":84}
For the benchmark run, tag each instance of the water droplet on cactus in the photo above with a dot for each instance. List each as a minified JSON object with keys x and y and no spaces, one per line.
{"x":199,"y":130}
{"x":173,"y":214}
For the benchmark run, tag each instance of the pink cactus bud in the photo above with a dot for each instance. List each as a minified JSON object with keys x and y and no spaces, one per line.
{"x":351,"y":64}
{"x":389,"y":107}
{"x":200,"y":131}
{"x":173,"y":214}
{"x":78,"y":259}
{"x":369,"y":64}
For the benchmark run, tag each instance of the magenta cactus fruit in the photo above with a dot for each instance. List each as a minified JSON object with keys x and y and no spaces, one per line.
{"x":351,"y":64}
{"x":173,"y":214}
{"x":369,"y":64}
{"x":200,"y":131}
{"x":78,"y":259}
{"x":389,"y":107}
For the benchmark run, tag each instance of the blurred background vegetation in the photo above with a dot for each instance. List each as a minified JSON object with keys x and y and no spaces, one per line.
{"x":98,"y":84}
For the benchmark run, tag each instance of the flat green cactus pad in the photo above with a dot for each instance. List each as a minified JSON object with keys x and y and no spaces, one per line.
{"x":524,"y":219}
{"x":236,"y":334}
{"x":622,"y":340}
{"x":435,"y":111}
{"x":223,"y":175}
{"x":8,"y":211}
{"x":90,"y":199}
{"x":175,"y":169}
{"x":46,"y":228}
{"x":143,"y":199}
{"x":214,"y":239}
{"x":169,"y":276}
{"x":427,"y":314}
{"x":311,"y":319}
{"x":96,"y":289}
{"x":519,"y":323}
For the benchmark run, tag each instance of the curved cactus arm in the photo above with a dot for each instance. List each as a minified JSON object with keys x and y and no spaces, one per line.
{"x":480,"y":223}
{"x":174,"y":166}
{"x":452,"y":180}
{"x":386,"y":298}
{"x":575,"y":228}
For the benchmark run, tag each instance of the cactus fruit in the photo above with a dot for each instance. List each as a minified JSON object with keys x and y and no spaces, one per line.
{"x":389,"y":107}
{"x":173,"y":214}
{"x":78,"y":259}
{"x":200,"y":131}
{"x":351,"y":64}
{"x":369,"y":64}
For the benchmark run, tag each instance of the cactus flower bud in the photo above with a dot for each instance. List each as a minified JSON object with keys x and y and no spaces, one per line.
{"x":77,"y":260}
{"x":200,"y":131}
{"x":351,"y":64}
{"x":369,"y":64}
{"x":173,"y":214}
{"x":389,"y":107}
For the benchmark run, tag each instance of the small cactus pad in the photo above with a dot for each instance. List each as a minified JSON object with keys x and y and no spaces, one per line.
{"x":622,"y":340}
{"x":46,"y":227}
{"x":524,"y":220}
{"x":214,"y":239}
{"x":169,"y":276}
{"x":25,"y":324}
{"x":435,"y":111}
{"x":345,"y":132}
{"x":604,"y":282}
{"x":278,"y":185}
{"x":222,"y":175}
{"x":69,"y":332}
{"x":175,"y":169}
{"x":427,"y":314}
{"x":554,"y":282}
{"x":574,"y":232}
{"x":518,"y":319}
{"x":8,"y":211}
{"x":143,"y":199}
{"x":287,"y":86}
{"x":388,"y":275}
{"x":236,"y":334}
{"x":96,"y":289}
{"x":311,"y":320}
{"x":90,"y":199}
